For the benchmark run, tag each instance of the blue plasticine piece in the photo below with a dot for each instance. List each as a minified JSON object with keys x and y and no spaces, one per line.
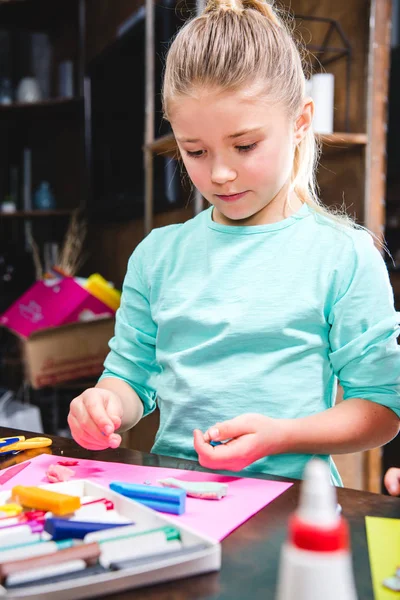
{"x":62,"y":529}
{"x":169,"y":500}
{"x":166,"y":507}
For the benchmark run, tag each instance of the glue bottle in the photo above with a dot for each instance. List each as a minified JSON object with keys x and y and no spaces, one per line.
{"x":315,"y":561}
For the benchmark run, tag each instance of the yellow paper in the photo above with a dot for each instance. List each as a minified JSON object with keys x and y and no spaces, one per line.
{"x":383,"y":537}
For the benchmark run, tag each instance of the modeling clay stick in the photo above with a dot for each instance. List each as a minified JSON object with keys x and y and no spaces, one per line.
{"x":89,"y":553}
{"x":56,"y":576}
{"x":209,"y":490}
{"x":38,"y":498}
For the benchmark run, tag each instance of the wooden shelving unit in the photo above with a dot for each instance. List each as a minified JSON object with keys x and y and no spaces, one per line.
{"x":343,"y":140}
{"x":42,"y":141}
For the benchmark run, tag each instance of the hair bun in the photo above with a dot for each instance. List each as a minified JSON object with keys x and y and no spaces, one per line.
{"x":238,"y":6}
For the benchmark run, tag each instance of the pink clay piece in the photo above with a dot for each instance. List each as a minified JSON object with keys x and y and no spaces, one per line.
{"x":56,"y":473}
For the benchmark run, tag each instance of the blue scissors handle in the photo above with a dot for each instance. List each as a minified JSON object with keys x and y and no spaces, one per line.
{"x":11,"y":440}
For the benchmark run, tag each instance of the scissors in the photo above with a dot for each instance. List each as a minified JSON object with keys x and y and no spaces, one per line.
{"x":7,"y":447}
{"x":11,"y":440}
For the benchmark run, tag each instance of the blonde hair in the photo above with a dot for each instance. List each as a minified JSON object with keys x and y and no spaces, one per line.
{"x":235,"y":43}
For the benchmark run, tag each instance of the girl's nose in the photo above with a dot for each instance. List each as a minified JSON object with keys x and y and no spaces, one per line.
{"x":221,"y":174}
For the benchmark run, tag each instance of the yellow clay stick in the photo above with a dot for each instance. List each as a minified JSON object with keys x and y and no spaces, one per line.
{"x":10,"y":510}
{"x":34,"y":497}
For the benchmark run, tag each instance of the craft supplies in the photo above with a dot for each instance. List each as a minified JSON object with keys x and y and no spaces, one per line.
{"x":89,"y":553}
{"x":62,"y":573}
{"x":171,"y":501}
{"x":25,"y":444}
{"x":107,"y":503}
{"x":393,"y":582}
{"x":216,"y":520}
{"x":63,"y":529}
{"x":383,"y":535}
{"x":166,"y":533}
{"x":12,"y":471}
{"x":38,"y":547}
{"x":17,"y":535}
{"x":146,"y":542}
{"x":146,"y":560}
{"x":70,"y":462}
{"x":56,"y":473}
{"x":11,"y":440}
{"x":209,"y":490}
{"x":34,"y":497}
{"x":10,"y":510}
{"x":137,"y":546}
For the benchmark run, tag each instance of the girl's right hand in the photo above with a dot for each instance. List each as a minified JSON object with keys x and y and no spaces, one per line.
{"x":93,"y":418}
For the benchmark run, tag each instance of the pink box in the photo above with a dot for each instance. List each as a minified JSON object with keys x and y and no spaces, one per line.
{"x":48,"y":304}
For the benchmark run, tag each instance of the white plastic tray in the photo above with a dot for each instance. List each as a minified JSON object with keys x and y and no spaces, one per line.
{"x":165,"y":569}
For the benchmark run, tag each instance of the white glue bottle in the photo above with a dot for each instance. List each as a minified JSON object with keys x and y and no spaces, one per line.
{"x":315,"y":561}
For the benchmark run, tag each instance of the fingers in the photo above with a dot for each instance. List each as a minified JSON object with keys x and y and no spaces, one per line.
{"x":229,"y":429}
{"x":392,"y":481}
{"x":81,"y":434}
{"x":93,"y":418}
{"x":232,"y":456}
{"x":82,"y":438}
{"x":94,"y":401}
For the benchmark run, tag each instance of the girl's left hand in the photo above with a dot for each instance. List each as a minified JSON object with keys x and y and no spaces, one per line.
{"x":251,"y":437}
{"x":392,"y":481}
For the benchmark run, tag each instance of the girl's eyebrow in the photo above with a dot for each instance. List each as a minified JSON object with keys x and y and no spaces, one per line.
{"x":231,"y":136}
{"x":244,"y":132}
{"x":187,"y":140}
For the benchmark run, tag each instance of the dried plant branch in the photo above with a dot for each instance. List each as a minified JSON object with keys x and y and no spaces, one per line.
{"x":71,"y":254}
{"x":36,"y":256}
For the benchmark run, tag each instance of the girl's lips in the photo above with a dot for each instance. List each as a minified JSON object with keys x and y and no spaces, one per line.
{"x":231,"y":197}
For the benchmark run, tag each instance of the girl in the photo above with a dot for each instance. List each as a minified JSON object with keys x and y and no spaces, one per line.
{"x":240,"y":321}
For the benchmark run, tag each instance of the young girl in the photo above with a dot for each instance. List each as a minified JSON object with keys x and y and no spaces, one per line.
{"x":240,"y":321}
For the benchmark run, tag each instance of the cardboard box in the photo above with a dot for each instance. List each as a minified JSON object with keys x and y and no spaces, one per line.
{"x":56,"y":344}
{"x":66,"y":353}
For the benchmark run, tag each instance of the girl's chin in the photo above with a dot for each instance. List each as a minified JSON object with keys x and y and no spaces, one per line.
{"x":235,"y":213}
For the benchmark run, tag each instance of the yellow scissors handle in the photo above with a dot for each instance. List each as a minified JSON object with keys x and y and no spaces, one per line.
{"x":35,"y":442}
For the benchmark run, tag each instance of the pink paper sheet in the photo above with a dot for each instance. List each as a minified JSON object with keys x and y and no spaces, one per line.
{"x":215,"y":518}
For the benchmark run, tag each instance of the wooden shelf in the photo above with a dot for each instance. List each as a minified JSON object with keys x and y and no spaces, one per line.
{"x":28,"y":214}
{"x":343,"y":140}
{"x":166,"y":144}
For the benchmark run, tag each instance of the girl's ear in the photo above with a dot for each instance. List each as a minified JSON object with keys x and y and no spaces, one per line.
{"x":304,"y":120}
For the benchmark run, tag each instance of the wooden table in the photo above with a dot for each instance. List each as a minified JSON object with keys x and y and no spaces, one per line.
{"x":250,"y":555}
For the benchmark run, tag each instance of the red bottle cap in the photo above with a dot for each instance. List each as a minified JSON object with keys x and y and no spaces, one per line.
{"x":316,"y":538}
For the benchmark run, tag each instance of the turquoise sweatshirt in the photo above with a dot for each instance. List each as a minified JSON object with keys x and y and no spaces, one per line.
{"x":218,"y":320}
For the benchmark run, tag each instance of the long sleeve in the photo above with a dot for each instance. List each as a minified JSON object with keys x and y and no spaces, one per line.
{"x":132,"y":349}
{"x":364,"y":328}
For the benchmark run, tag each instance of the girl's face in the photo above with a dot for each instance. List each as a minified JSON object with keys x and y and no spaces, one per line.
{"x":238,"y":150}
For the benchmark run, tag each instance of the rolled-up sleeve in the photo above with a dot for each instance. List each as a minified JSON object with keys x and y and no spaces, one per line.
{"x":132,"y":349}
{"x":364,"y":352}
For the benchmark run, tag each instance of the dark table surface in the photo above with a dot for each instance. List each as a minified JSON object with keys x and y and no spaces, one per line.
{"x":250,"y":555}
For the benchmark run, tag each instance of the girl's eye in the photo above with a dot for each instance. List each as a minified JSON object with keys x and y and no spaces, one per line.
{"x":246,"y":148}
{"x":195,"y":154}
